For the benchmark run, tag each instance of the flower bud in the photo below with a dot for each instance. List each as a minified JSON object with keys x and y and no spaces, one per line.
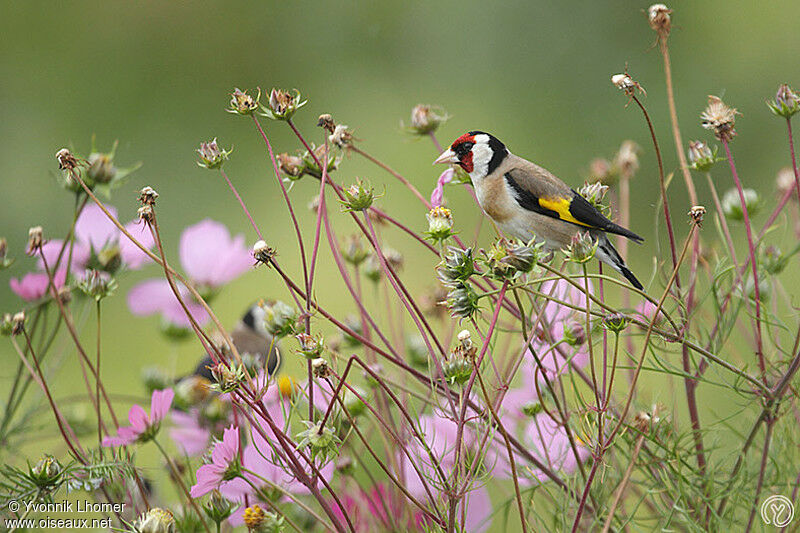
{"x":522,"y":257}
{"x":457,"y":266}
{"x":786,"y":103}
{"x":217,"y":508}
{"x":354,"y":251}
{"x":263,"y":253}
{"x":575,"y":334}
{"x":101,"y":168}
{"x":358,"y":197}
{"x":773,"y":260}
{"x":282,"y":105}
{"x":701,"y":158}
{"x":310,"y":347}
{"x":97,"y":285}
{"x":228,"y":378}
{"x":440,"y":224}
{"x":719,"y":118}
{"x":35,"y":241}
{"x":211,"y":155}
{"x":321,"y":440}
{"x":310,"y":165}
{"x":582,"y":248}
{"x":280,"y":319}
{"x":242,"y":103}
{"x":156,"y":520}
{"x":426,"y":119}
{"x":658,"y":16}
{"x":46,"y":473}
{"x":594,"y":193}
{"x":457,"y":371}
{"x":732,"y":204}
{"x":417,"y":351}
{"x":148,"y":196}
{"x":615,"y":322}
{"x":696,"y":215}
{"x":462,"y":300}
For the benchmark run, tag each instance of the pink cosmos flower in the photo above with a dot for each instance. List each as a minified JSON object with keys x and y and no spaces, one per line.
{"x":188,"y":434}
{"x":33,"y":285}
{"x":143,"y":427}
{"x":437,"y":196}
{"x":95,"y":232}
{"x":210,"y":257}
{"x":548,"y":441}
{"x":380,"y":509}
{"x":647,"y":310}
{"x":223,"y":467}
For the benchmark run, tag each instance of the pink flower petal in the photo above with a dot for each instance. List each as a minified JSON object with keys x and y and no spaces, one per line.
{"x":34,"y":285}
{"x":188,"y":434}
{"x":210,"y":256}
{"x":437,"y":196}
{"x":132,"y":256}
{"x":160,"y":402}
{"x":138,"y":418}
{"x":155,"y":296}
{"x":94,"y":228}
{"x":51,"y":249}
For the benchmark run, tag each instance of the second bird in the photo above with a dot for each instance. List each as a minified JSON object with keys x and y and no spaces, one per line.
{"x":526,"y":201}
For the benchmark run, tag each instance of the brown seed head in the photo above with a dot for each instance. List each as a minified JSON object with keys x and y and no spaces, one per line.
{"x":35,"y":240}
{"x":719,"y":118}
{"x":696,"y":215}
{"x":326,"y":121}
{"x":291,"y":165}
{"x":341,"y":136}
{"x":66,"y":161}
{"x":242,"y":103}
{"x":658,"y":16}
{"x":627,"y":159}
{"x":146,"y":214}
{"x":148,"y":196}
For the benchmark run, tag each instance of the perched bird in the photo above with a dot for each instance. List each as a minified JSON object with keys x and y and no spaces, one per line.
{"x":526,"y":201}
{"x":250,"y":337}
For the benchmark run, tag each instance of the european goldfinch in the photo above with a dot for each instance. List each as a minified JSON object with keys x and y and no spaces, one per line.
{"x":528,"y":202}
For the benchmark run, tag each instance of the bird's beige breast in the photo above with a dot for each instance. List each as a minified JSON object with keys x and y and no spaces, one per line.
{"x":495,"y":199}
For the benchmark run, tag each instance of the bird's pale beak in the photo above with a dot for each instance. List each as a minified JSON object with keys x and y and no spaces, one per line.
{"x":448,"y":157}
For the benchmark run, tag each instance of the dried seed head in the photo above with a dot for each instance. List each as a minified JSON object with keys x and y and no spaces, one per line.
{"x":291,"y":165}
{"x":320,"y":368}
{"x":146,"y":214}
{"x":465,"y":338}
{"x":310,"y":346}
{"x":354,"y":251}
{"x":785,"y":181}
{"x":582,"y":248}
{"x":394,"y":258}
{"x":282,"y":104}
{"x":66,"y":161}
{"x":242,"y":103}
{"x":148,"y":196}
{"x":594,"y":193}
{"x":658,"y":16}
{"x":719,"y":118}
{"x":263,"y":253}
{"x":17,"y":323}
{"x":101,"y":168}
{"x":341,"y":136}
{"x":627,"y":159}
{"x":626,"y":84}
{"x":97,"y":284}
{"x":426,"y":119}
{"x":326,"y":122}
{"x":696,"y":215}
{"x":35,"y":240}
{"x":211,"y":155}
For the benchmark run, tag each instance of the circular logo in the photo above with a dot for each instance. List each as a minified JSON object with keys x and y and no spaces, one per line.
{"x":777,"y":511}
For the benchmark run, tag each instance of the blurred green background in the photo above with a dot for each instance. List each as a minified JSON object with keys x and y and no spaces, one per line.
{"x":157,"y":77}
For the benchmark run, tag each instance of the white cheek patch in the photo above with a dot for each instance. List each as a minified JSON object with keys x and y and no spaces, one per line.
{"x":481,"y":155}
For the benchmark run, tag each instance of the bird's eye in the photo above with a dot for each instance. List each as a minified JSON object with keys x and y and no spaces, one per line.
{"x":462,"y":149}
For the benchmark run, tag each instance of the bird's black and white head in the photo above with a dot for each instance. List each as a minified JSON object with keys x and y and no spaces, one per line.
{"x":477,"y":152}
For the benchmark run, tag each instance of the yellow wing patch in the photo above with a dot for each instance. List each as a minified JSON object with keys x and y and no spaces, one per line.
{"x":561,"y":206}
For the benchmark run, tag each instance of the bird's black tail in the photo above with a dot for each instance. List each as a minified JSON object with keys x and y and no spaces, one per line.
{"x":609,"y":255}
